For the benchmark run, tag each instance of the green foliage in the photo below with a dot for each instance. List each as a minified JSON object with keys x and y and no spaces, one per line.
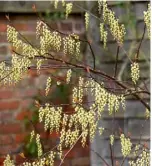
{"x":56,"y":16}
{"x":31,"y":148}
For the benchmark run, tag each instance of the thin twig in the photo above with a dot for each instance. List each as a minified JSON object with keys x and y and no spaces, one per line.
{"x":100,"y":157}
{"x":137,"y":54}
{"x":62,"y":161}
{"x":116,"y":63}
{"x":6,"y":76}
{"x":80,"y":7}
{"x":111,"y":155}
{"x":99,"y":72}
{"x":82,"y":40}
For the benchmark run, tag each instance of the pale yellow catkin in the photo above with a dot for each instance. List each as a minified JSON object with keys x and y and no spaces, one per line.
{"x":125,"y":145}
{"x":135,"y":72}
{"x":87,"y":18}
{"x":147,"y":19}
{"x":68,"y":9}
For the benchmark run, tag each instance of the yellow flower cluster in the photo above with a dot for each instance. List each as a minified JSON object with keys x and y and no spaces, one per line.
{"x":112,"y":137}
{"x":105,"y":39}
{"x":39,"y":146}
{"x":51,"y":116}
{"x":20,"y":64}
{"x":101,"y":31}
{"x":122,"y":100}
{"x":87,"y":20}
{"x":137,"y":147}
{"x":143,"y":159}
{"x":125,"y":145}
{"x":78,"y":92}
{"x":4,"y":72}
{"x":71,"y":137}
{"x":147,"y":19}
{"x":68,"y":77}
{"x":12,"y":75}
{"x":8,"y":161}
{"x":100,"y":95}
{"x":56,"y":4}
{"x":103,"y":98}
{"x":101,"y":129}
{"x":68,"y":9}
{"x":84,"y":137}
{"x":135,"y":72}
{"x":80,"y":95}
{"x":92,"y":129}
{"x":29,"y":50}
{"x":71,"y":45}
{"x":103,"y":35}
{"x":63,"y":3}
{"x":99,"y":6}
{"x":38,"y":65}
{"x":49,"y":160}
{"x":86,"y":119}
{"x":48,"y":85}
{"x":82,"y":119}
{"x":113,"y":103}
{"x":65,"y":120}
{"x":62,"y":136}
{"x":32,"y":135}
{"x":19,"y":45}
{"x":60,"y":152}
{"x":52,"y":40}
{"x":39,"y":29}
{"x":58,"y":83}
{"x":68,"y":137}
{"x":49,"y":40}
{"x":105,"y":9}
{"x":75,"y":95}
{"x":147,"y":114}
{"x":117,"y":31}
{"x":77,"y":49}
{"x":12,"y":34}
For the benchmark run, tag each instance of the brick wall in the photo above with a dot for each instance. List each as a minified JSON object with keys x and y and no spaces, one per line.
{"x":16,"y":102}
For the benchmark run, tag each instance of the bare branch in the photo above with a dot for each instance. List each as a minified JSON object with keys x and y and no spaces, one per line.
{"x":115,"y":72}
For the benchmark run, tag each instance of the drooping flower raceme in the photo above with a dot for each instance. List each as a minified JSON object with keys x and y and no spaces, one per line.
{"x":117,"y":31}
{"x":68,"y":9}
{"x":147,"y":19}
{"x":125,"y":145}
{"x":87,"y":18}
{"x":68,"y":77}
{"x":135,"y":72}
{"x":48,"y":84}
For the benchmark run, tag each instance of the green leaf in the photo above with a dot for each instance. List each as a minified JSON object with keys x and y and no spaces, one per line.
{"x":35,"y":117}
{"x":31,"y":149}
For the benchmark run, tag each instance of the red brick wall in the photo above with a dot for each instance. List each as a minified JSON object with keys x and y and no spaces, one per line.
{"x":15,"y":102}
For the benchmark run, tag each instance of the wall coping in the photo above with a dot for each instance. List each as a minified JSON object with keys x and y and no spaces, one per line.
{"x":41,"y":6}
{"x":25,"y":6}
